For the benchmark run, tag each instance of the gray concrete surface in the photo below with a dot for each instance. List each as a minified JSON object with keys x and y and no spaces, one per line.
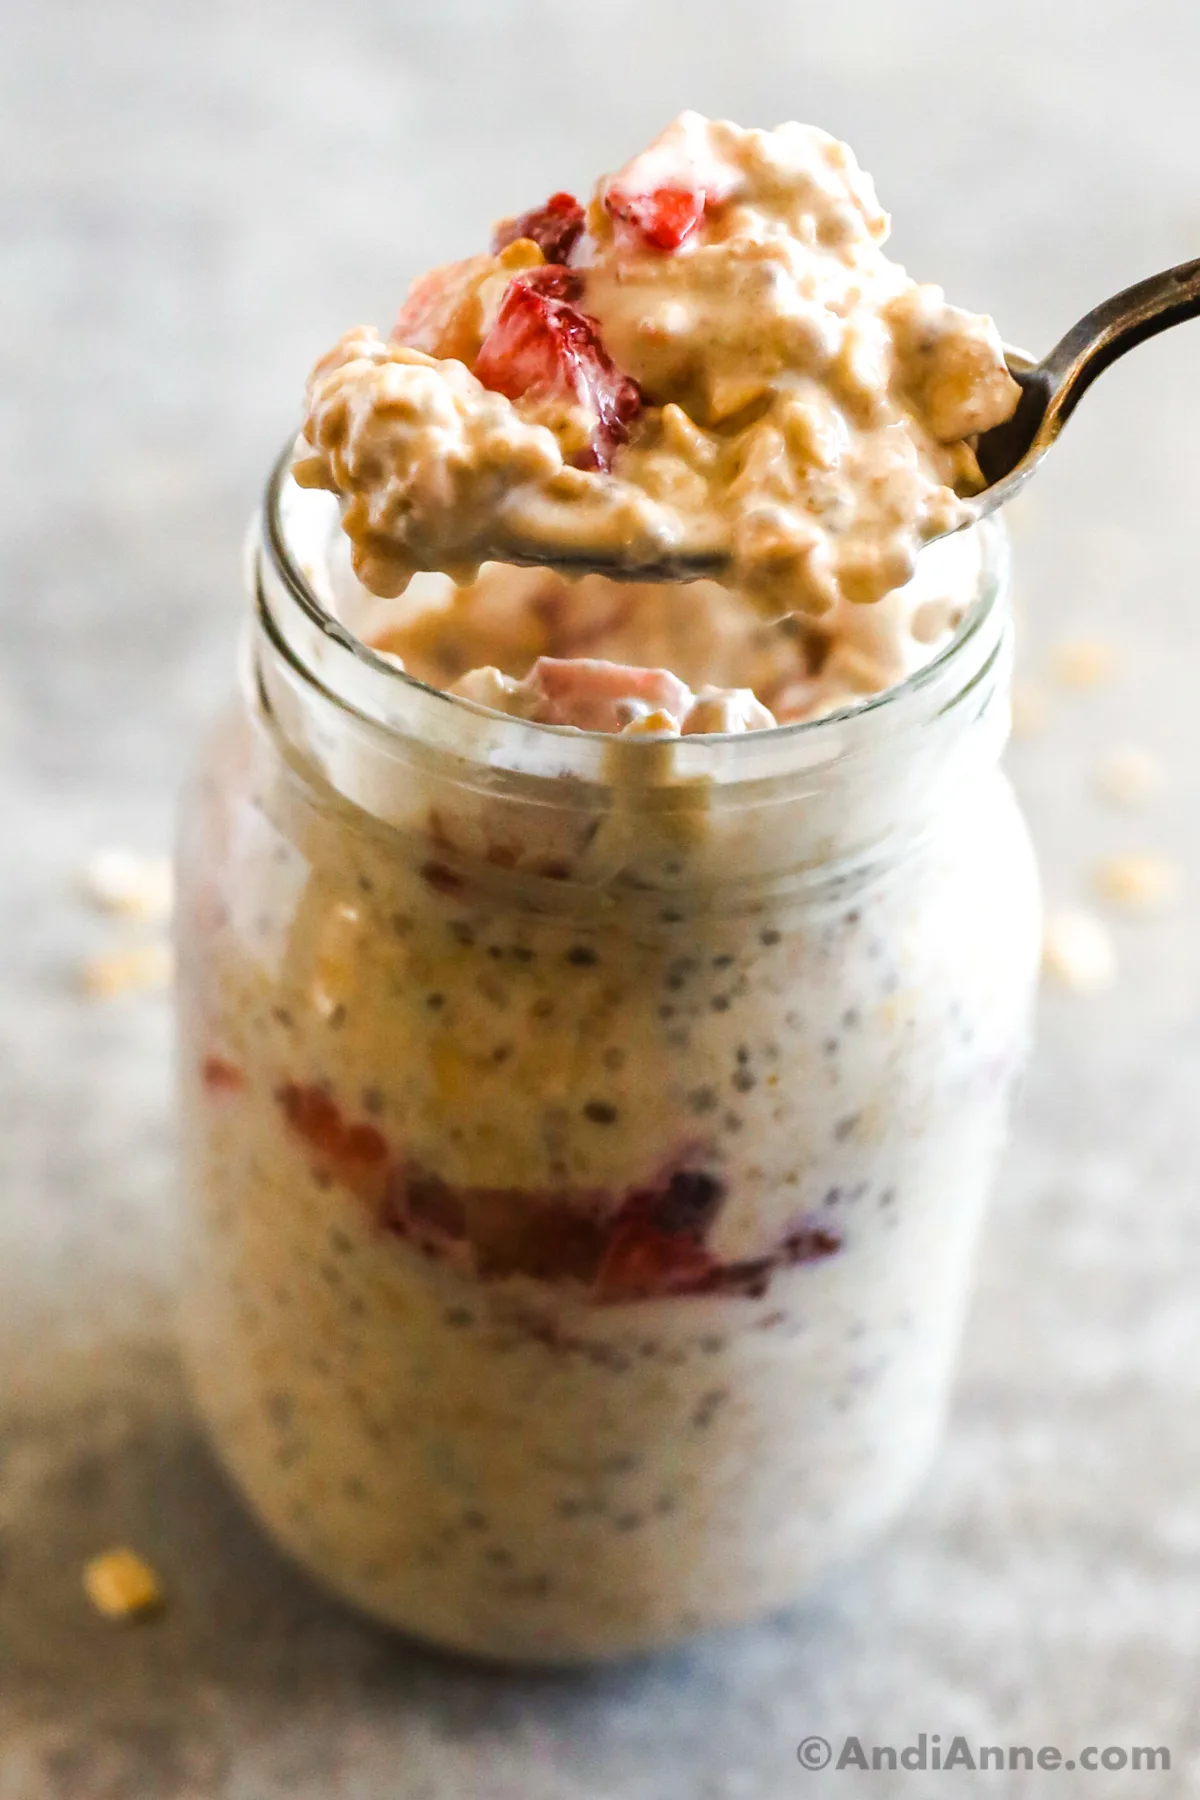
{"x":192,"y":202}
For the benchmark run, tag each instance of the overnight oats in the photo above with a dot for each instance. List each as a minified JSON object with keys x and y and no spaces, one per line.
{"x":600,"y":999}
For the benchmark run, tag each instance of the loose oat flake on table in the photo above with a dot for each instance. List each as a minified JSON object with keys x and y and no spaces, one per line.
{"x":1078,"y":951}
{"x":1085,"y":662}
{"x":1128,"y":776}
{"x":1138,"y":881}
{"x":126,"y":883}
{"x":122,"y":1586}
{"x":130,"y":969}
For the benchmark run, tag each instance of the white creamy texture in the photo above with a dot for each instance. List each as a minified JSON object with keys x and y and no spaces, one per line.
{"x":593,"y":695}
{"x":509,"y":1460}
{"x":800,"y":402}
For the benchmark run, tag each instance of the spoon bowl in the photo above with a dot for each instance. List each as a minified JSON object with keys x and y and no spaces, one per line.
{"x":1008,"y":454}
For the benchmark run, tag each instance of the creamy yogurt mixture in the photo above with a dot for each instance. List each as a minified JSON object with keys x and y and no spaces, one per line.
{"x":587,"y":1168}
{"x":657,"y":657}
{"x":716,"y":354}
{"x":583,"y":1219}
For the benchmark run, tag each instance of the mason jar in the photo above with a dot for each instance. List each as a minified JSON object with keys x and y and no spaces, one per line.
{"x":586,"y":1137}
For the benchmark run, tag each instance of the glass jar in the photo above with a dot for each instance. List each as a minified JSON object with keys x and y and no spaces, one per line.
{"x":586,"y":1137}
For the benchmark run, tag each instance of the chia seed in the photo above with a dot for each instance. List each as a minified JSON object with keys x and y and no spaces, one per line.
{"x":708,"y":1407}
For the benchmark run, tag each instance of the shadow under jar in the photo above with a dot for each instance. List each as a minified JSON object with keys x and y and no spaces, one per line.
{"x":586,"y":1138}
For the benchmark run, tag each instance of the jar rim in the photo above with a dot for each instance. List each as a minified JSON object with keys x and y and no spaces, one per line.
{"x":375,"y":688}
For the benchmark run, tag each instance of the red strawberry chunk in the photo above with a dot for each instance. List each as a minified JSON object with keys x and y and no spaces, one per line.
{"x":221,"y":1077}
{"x":555,"y":228}
{"x":543,"y":346}
{"x":665,"y":217}
{"x":662,"y":195}
{"x":641,"y":1261}
{"x":362,"y":1144}
{"x":313,"y":1116}
{"x":601,"y":696}
{"x":317,"y":1119}
{"x":440,"y":315}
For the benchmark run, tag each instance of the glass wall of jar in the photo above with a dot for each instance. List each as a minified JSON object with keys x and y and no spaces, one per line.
{"x":586,"y":1137}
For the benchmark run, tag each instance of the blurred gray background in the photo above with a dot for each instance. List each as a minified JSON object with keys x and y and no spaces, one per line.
{"x":194,"y":203}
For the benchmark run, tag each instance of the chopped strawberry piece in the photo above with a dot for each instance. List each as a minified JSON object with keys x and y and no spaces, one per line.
{"x":431,"y":1203}
{"x":657,"y":1245}
{"x":601,"y":696}
{"x":543,"y":346}
{"x":559,"y":283}
{"x":312,"y":1115}
{"x":555,"y":228}
{"x":548,"y":1238}
{"x":354,"y":1151}
{"x":641,"y":1261}
{"x":441,"y":311}
{"x":665,"y":218}
{"x":662,"y":195}
{"x":362,"y":1144}
{"x":221,"y":1077}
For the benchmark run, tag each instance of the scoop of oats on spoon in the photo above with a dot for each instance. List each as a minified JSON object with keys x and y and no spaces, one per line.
{"x":712,"y":371}
{"x":1007,"y":454}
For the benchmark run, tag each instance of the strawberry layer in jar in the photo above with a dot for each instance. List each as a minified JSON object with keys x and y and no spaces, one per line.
{"x":586,"y":1134}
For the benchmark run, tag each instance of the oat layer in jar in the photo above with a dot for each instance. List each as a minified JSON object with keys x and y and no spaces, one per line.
{"x":586,"y":1137}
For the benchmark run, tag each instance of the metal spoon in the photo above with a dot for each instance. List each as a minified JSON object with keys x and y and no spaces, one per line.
{"x":1008,"y":454}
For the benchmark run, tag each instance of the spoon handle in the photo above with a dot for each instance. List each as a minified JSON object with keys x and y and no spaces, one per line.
{"x":1052,"y":388}
{"x":1115,"y":326}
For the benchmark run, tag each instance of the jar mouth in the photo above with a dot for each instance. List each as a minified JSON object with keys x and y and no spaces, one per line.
{"x":364,"y":682}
